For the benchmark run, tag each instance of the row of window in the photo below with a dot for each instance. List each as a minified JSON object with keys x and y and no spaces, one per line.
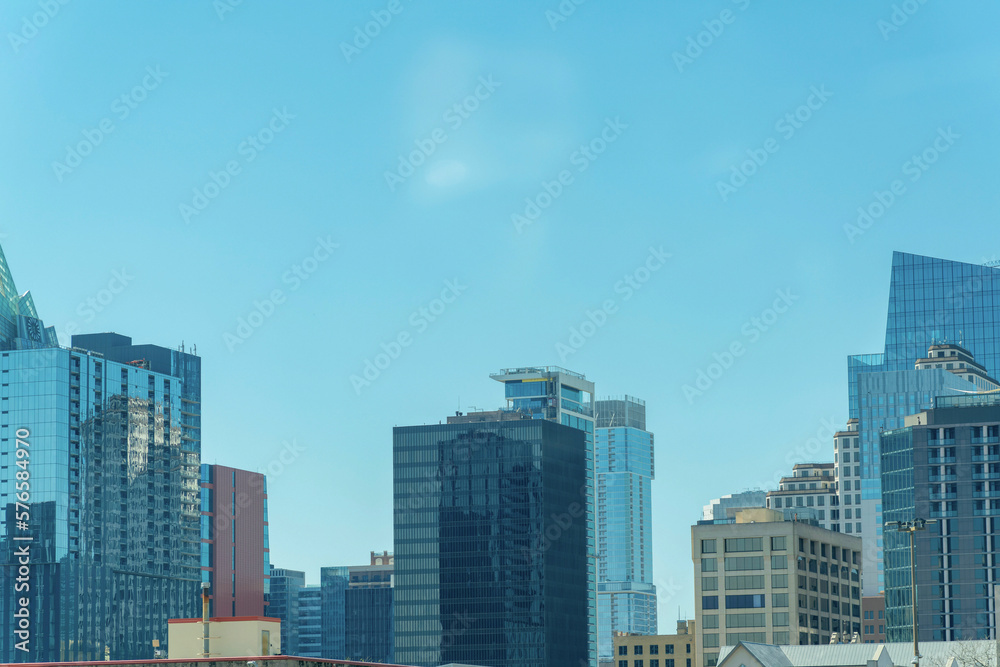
{"x":653,"y":662}
{"x":654,"y":649}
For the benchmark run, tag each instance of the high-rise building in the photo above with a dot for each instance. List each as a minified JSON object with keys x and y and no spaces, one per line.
{"x":761,"y":578}
{"x":565,"y":397}
{"x":235,"y":553}
{"x":283,"y":603}
{"x":931,"y":301}
{"x":491,"y":546}
{"x":626,"y":595}
{"x":106,"y":434}
{"x":944,"y":465}
{"x":358,"y":609}
{"x":309,"y":627}
{"x":888,"y":397}
{"x":811,"y":492}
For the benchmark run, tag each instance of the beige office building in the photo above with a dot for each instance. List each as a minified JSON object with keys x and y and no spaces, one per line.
{"x":679,"y":650}
{"x":761,"y":578}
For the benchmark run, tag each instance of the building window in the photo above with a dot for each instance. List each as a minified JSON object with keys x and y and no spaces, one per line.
{"x":778,"y":543}
{"x":623,"y":650}
{"x":654,"y":649}
{"x":710,"y":602}
{"x":708,"y":546}
{"x":637,"y":650}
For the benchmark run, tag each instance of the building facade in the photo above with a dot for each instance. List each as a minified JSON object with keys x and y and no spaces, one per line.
{"x":358,"y":610}
{"x":565,"y":397}
{"x":873,"y":619}
{"x":931,"y":301}
{"x":491,"y":544}
{"x":944,"y":466}
{"x":811,"y":491}
{"x":760,"y":578}
{"x":726,"y":506}
{"x":107,"y":435}
{"x":626,"y":595}
{"x":310,"y":622}
{"x":283,"y":604}
{"x":235,"y":552}
{"x":678,"y":650}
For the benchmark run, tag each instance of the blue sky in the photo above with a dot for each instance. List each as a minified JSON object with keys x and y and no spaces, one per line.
{"x":227,"y":163}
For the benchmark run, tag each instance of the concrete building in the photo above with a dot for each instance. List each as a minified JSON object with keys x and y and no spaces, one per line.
{"x":761,"y":578}
{"x":626,"y":595}
{"x":873,"y":619}
{"x":247,"y":636}
{"x":811,"y":491}
{"x":677,"y":650}
{"x":944,"y":466}
{"x":235,"y":552}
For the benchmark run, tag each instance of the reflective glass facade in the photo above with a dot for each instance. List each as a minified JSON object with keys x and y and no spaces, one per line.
{"x":333,"y":582}
{"x":625,"y":470}
{"x":491,"y":544}
{"x":946,"y":469}
{"x":930,"y":301}
{"x":310,"y":622}
{"x":284,"y":604}
{"x":114,"y":456}
{"x":368,"y":631}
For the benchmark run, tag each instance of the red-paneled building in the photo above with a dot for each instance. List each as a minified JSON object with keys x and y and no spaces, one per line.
{"x":235,"y":558}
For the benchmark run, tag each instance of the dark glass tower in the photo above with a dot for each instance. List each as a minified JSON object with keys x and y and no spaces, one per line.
{"x":491,"y":544}
{"x":930,"y":301}
{"x":111,"y":440}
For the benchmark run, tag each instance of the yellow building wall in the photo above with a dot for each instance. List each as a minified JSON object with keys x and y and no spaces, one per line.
{"x":227,"y":638}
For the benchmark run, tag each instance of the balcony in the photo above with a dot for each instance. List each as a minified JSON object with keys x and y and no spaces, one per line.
{"x":984,"y":475}
{"x":943,"y":514}
{"x":945,"y":478}
{"x":986,"y":441}
{"x":943,"y":496}
{"x":987,"y":512}
{"x":986,"y":457}
{"x":942,"y":459}
{"x":995,"y":493}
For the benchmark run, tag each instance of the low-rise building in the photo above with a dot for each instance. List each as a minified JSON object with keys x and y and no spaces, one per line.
{"x":228,"y":637}
{"x":873,"y":619}
{"x":979,"y":653}
{"x":677,"y":650}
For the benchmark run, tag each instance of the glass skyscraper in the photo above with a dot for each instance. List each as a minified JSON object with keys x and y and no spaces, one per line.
{"x":491,"y":547}
{"x":930,"y":301}
{"x":626,"y":595}
{"x":564,"y":397}
{"x":944,"y":465}
{"x":310,"y":622}
{"x":284,"y":604}
{"x":109,"y":516}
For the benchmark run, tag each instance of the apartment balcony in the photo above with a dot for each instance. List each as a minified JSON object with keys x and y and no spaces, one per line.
{"x":943,"y":459}
{"x":946,"y":478}
{"x":986,"y":441}
{"x":943,"y":514}
{"x":987,"y":457}
{"x":943,"y":496}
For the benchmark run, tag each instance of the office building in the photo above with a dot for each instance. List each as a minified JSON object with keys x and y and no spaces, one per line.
{"x":811,"y":492}
{"x":931,"y":302}
{"x":235,"y":554}
{"x":113,"y":434}
{"x":310,"y":622}
{"x":565,"y":397}
{"x":727,"y":506}
{"x":873,"y":619}
{"x":491,"y":544}
{"x":626,"y":595}
{"x":678,"y":650}
{"x":761,"y":578}
{"x":283,"y":604}
{"x":358,"y":610}
{"x":944,"y":466}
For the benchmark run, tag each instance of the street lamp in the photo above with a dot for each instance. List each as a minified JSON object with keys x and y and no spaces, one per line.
{"x":204,"y":616}
{"x":912,"y":527}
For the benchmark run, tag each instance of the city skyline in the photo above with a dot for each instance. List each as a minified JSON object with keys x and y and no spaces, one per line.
{"x":658,"y":256}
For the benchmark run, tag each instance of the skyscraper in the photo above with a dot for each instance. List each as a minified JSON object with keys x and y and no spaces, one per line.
{"x":309,"y":625}
{"x":565,"y":397}
{"x":944,"y":465}
{"x":491,"y":547}
{"x":235,"y":553}
{"x":931,"y":301}
{"x":626,"y":595}
{"x":358,"y":609}
{"x":284,"y":605}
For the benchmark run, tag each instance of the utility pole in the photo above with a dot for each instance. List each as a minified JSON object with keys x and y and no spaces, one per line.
{"x":912,"y":527}
{"x":204,"y":616}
